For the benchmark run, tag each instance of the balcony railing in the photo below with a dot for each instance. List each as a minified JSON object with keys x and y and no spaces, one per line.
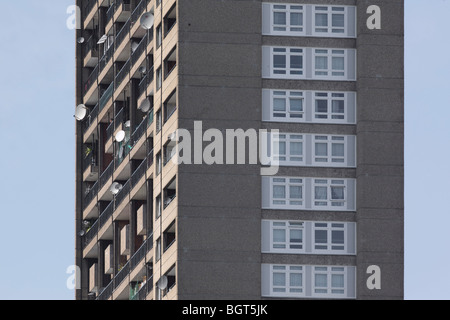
{"x":110,"y":13}
{"x":137,"y":12}
{"x":139,"y":132}
{"x":106,"y":96}
{"x":110,"y":130}
{"x":139,"y":50}
{"x":150,"y":159}
{"x":138,"y":174}
{"x":88,"y":161}
{"x":106,"y":215}
{"x":91,"y":80}
{"x":145,"y":290}
{"x":139,"y":254}
{"x":121,"y":275}
{"x":122,"y":194}
{"x":90,"y":118}
{"x":122,"y":73}
{"x":118,"y":120}
{"x":107,"y":292}
{"x":106,"y":57}
{"x":89,"y":6}
{"x":145,"y":82}
{"x":88,"y":46}
{"x":122,"y":33}
{"x":90,"y":234}
{"x":106,"y":175}
{"x":91,"y":195}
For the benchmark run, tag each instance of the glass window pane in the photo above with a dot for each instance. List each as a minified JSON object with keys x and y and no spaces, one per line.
{"x":337,"y":237}
{"x":279,"y":192}
{"x":296,"y":105}
{"x":279,"y":61}
{"x":321,"y":20}
{"x":296,"y":236}
{"x":337,"y":149}
{"x":321,"y":106}
{"x":321,"y":236}
{"x":338,"y":63}
{"x":337,"y":281}
{"x":296,"y":148}
{"x":321,"y":149}
{"x":337,"y":106}
{"x":279,"y":235}
{"x":320,"y":280}
{"x":295,"y":280}
{"x":296,"y":19}
{"x":279,"y":279}
{"x":320,"y":193}
{"x":279,"y":18}
{"x":296,"y":62}
{"x":279,"y":104}
{"x":322,"y":63}
{"x":295,"y":192}
{"x":337,"y":193}
{"x":338,"y":20}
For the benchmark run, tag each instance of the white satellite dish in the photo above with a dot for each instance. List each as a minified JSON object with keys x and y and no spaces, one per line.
{"x":162,"y":283}
{"x":142,"y":69}
{"x":134,"y":46}
{"x":127,"y":124}
{"x":81,"y":233}
{"x":145,"y":106}
{"x":120,"y":136}
{"x":115,"y":188}
{"x":80,"y":112}
{"x":172,"y":136}
{"x":147,"y":20}
{"x":80,"y":40}
{"x":102,"y":39}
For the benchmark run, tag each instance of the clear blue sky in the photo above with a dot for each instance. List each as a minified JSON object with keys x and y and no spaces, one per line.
{"x":37,"y":158}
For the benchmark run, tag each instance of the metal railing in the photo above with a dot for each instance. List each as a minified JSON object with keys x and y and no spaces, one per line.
{"x":139,"y":50}
{"x":150,"y":159}
{"x":110,"y":13}
{"x":137,"y":12}
{"x":138,"y":255}
{"x":89,"y":6}
{"x":122,"y":274}
{"x":106,"y":175}
{"x":90,"y":234}
{"x":88,"y":46}
{"x":118,"y":119}
{"x":138,"y":174}
{"x":106,"y":57}
{"x":91,"y":79}
{"x":110,"y":130}
{"x":88,"y":161}
{"x":122,"y":194}
{"x":91,"y":195}
{"x":106,"y":215}
{"x":122,"y":33}
{"x":106,"y":96}
{"x":107,"y":292}
{"x":122,"y":73}
{"x":90,"y":118}
{"x":145,"y":82}
{"x":139,"y":132}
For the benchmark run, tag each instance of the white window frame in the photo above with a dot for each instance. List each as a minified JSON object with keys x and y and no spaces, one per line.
{"x":288,"y":96}
{"x":288,"y":52}
{"x":330,"y":159}
{"x":288,"y":158}
{"x":287,"y":226}
{"x":287,"y":182}
{"x":287,"y":270}
{"x":329,"y":184}
{"x":329,"y":227}
{"x":329,"y":271}
{"x":287,"y":9}
{"x":330,"y":97}
{"x":329,"y":11}
{"x":329,"y":73}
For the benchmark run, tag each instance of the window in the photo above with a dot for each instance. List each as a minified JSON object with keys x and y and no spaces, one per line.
{"x":309,"y":20}
{"x":329,"y":281}
{"x":158,"y":36}
{"x":329,"y":237}
{"x":329,"y":106}
{"x":287,"y":19}
{"x":158,"y":207}
{"x":287,"y":236}
{"x":287,"y":62}
{"x":287,"y":192}
{"x":329,"y":20}
{"x":287,"y":105}
{"x":288,"y":148}
{"x":329,"y":193}
{"x":158,"y":78}
{"x":329,"y":63}
{"x":287,"y":280}
{"x":329,"y":150}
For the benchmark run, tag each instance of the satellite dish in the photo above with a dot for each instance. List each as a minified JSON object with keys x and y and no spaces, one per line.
{"x":81,"y":233}
{"x":162,"y":283}
{"x":120,"y":136}
{"x":142,"y":69}
{"x":145,"y":106}
{"x":127,"y":124}
{"x":80,"y":40}
{"x":147,"y":20}
{"x":115,"y":188}
{"x":80,"y":112}
{"x":102,"y":39}
{"x":134,"y":46}
{"x":172,"y":136}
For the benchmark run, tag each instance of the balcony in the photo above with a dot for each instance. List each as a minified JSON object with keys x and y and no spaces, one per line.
{"x":89,"y":11}
{"x":140,"y":49}
{"x":170,"y":193}
{"x":170,"y":106}
{"x":104,"y":61}
{"x":122,"y":11}
{"x":92,"y":79}
{"x":90,"y":196}
{"x":90,"y":53}
{"x":91,"y":233}
{"x":145,"y":82}
{"x":125,"y":31}
{"x":122,"y":74}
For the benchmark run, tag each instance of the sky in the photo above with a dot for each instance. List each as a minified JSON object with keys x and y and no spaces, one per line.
{"x":37,"y":169}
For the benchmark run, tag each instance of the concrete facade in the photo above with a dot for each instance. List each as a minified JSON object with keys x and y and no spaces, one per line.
{"x":218,"y":208}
